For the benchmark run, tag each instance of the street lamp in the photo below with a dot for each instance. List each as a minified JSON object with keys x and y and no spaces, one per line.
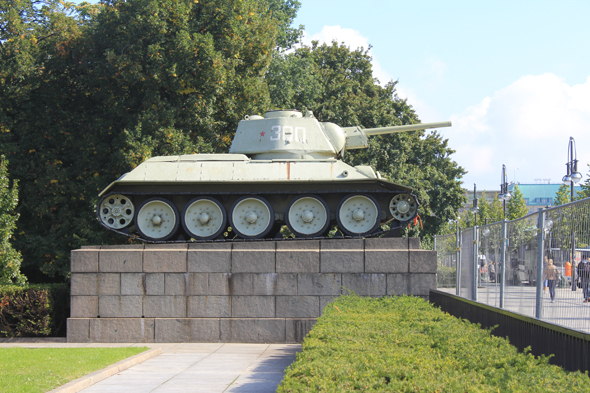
{"x":475,"y":208}
{"x":572,"y":176}
{"x":504,"y":193}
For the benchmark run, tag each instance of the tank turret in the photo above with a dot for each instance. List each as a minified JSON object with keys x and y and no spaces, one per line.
{"x":282,"y":169}
{"x":291,"y":135}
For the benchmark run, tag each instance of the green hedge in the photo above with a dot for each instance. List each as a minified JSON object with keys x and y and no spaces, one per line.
{"x":34,"y":310}
{"x":404,"y":344}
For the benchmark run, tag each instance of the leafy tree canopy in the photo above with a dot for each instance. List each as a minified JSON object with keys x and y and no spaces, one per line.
{"x":113,"y":84}
{"x":516,"y":206}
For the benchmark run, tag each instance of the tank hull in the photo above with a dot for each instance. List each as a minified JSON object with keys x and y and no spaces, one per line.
{"x":222,"y":181}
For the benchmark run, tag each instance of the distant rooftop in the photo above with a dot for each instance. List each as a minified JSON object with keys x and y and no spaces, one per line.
{"x":539,"y":194}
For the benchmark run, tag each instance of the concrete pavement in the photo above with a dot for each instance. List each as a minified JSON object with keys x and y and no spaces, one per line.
{"x":195,"y":367}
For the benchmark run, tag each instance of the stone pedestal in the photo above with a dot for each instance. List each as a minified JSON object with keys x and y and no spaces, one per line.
{"x":254,"y":292}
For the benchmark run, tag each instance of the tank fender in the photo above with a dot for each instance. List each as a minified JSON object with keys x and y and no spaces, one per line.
{"x":366,"y":170}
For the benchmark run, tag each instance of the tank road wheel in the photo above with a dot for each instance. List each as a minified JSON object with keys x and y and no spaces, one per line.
{"x":156,"y":219}
{"x":403,"y":207}
{"x":204,"y":218}
{"x":116,"y":211}
{"x":308,"y":216}
{"x":358,"y":215}
{"x":251,"y":217}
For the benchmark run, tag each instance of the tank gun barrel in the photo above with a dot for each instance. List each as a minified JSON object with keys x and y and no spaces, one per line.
{"x":409,"y":127}
{"x":356,"y":137}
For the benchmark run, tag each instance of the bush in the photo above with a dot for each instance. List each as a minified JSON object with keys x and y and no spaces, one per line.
{"x":404,"y":344}
{"x":34,"y":310}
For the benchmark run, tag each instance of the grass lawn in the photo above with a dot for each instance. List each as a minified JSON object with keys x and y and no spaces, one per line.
{"x":40,"y":370}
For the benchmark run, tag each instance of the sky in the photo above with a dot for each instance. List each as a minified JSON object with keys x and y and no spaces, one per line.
{"x":512,"y":76}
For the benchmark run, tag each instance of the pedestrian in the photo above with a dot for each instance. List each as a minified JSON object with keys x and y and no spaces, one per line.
{"x":584,"y":275}
{"x":492,"y":270}
{"x":568,"y":272}
{"x":551,"y":275}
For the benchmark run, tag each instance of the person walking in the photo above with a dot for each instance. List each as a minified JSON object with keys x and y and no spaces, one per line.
{"x":551,"y":275}
{"x":584,"y":275}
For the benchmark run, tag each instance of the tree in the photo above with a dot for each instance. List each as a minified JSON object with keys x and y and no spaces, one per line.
{"x":516,"y":205}
{"x":562,"y":196}
{"x":120,"y":82}
{"x":337,"y":83}
{"x":10,"y":259}
{"x":585,"y":191}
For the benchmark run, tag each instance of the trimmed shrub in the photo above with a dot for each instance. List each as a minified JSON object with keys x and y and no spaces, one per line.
{"x":404,"y":344}
{"x":34,"y":310}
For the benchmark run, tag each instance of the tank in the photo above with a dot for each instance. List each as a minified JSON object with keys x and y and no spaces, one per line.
{"x":282,"y":169}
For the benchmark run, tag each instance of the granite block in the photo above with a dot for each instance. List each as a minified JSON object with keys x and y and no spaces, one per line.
{"x":253,"y":307}
{"x":414,"y":243}
{"x":84,"y":307}
{"x":297,"y":329}
{"x":209,"y":306}
{"x":219,"y":284}
{"x":78,"y":330}
{"x":398,"y":284}
{"x":298,"y":256}
{"x":209,"y":257}
{"x":122,"y":330}
{"x":108,"y":283}
{"x":176,"y":284}
{"x":319,"y":284}
{"x":386,"y":243}
{"x":165,"y":258}
{"x":421,"y":284}
{"x":252,"y":330}
{"x":133,"y":284}
{"x":268,"y":284}
{"x":184,"y":330}
{"x":164,"y":306}
{"x":84,"y":284}
{"x":342,"y":256}
{"x":84,"y":261}
{"x":393,"y":261}
{"x":423,"y":261}
{"x":154,"y":284}
{"x":298,"y":306}
{"x":365,"y":284}
{"x":198,"y":284}
{"x":128,"y":260}
{"x":253,"y":257}
{"x":120,"y":306}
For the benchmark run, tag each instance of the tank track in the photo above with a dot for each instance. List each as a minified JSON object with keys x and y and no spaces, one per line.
{"x":275,"y":235}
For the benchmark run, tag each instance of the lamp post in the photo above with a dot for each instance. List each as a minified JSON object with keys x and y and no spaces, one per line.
{"x":504,"y":193}
{"x":572,"y":176}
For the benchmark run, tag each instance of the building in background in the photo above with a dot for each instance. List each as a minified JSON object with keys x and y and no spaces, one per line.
{"x":536,"y":196}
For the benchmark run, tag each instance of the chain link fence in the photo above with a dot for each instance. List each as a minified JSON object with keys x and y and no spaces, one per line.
{"x":535,"y":265}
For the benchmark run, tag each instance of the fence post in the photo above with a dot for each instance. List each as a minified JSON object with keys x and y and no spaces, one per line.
{"x":475,"y":263}
{"x":540,"y":252}
{"x":503,"y":263}
{"x":458,"y":264}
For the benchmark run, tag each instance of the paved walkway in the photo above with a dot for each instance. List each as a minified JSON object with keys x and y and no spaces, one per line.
{"x":196,"y":368}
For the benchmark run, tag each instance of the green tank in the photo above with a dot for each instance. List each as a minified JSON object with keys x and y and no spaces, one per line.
{"x":282,"y":169}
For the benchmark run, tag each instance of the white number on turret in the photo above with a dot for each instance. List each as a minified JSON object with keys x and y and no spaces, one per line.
{"x":288,"y":133}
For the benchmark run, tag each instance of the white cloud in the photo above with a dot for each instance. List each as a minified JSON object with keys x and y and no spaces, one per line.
{"x":526,"y":125}
{"x":351,"y":38}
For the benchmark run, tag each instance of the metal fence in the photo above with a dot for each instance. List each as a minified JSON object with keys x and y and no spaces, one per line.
{"x":505,"y":264}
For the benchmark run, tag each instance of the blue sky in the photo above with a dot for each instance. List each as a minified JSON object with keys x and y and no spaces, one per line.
{"x":513,"y":76}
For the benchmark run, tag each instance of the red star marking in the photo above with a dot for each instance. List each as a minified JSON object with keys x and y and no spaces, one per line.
{"x":262,"y":133}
